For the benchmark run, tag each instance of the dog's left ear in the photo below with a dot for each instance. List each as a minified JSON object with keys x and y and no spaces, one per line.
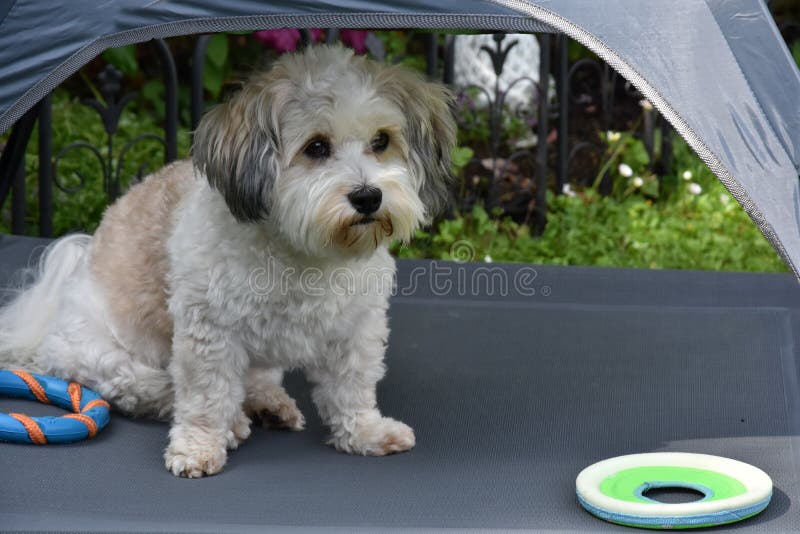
{"x":431,"y":132}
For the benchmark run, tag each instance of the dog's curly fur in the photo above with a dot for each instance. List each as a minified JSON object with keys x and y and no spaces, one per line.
{"x":209,"y":279}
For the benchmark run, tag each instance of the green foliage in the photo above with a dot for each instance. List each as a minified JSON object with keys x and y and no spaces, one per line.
{"x":697,"y":226}
{"x":706,"y":231}
{"x":73,"y":121}
{"x":577,"y":51}
{"x":626,"y":162}
{"x":461,"y":156}
{"x":124,"y":58}
{"x":151,"y":92}
{"x":796,"y":52}
{"x":397,"y":45}
{"x":474,"y":119}
{"x":217,"y":67}
{"x":471,"y":237}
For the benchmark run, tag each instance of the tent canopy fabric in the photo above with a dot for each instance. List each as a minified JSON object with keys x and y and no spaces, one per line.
{"x":716,"y":69}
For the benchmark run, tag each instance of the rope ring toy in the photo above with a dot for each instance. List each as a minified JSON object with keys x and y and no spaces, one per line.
{"x":614,"y":490}
{"x":90,"y":413}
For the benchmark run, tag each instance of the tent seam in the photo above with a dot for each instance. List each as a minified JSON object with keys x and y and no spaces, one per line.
{"x":681,"y":126}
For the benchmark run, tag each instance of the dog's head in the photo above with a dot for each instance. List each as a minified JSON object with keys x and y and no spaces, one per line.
{"x":340,"y":152}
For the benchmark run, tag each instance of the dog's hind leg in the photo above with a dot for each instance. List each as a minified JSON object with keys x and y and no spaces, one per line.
{"x":266,"y":399}
{"x":75,"y":350}
{"x":61,"y":327}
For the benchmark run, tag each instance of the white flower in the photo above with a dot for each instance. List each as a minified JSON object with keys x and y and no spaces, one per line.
{"x":613,"y":137}
{"x":567,"y":190}
{"x":487,"y":259}
{"x":687,"y":175}
{"x":646,"y":105}
{"x":526,"y":142}
{"x":724,"y":199}
{"x":625,"y":170}
{"x":695,"y":189}
{"x":638,"y":182}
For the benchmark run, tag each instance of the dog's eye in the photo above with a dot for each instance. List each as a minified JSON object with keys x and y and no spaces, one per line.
{"x":318,"y":149}
{"x":380,"y":142}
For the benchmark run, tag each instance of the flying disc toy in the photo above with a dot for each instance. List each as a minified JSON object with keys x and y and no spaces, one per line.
{"x":90,"y":413}
{"x":614,"y":490}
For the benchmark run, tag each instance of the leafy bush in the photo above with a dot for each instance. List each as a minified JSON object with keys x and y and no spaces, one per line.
{"x":707,"y":231}
{"x":698,"y":226}
{"x":82,"y":209}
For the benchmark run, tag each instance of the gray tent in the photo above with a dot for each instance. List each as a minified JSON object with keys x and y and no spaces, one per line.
{"x":510,"y":395}
{"x":716,"y":69}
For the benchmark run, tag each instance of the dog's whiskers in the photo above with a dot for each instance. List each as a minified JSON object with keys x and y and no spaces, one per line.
{"x":351,"y":243}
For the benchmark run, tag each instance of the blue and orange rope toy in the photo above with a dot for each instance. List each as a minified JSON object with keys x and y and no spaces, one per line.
{"x":90,"y":413}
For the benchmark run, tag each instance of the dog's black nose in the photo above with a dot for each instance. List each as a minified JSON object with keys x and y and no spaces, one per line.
{"x":366,"y":200}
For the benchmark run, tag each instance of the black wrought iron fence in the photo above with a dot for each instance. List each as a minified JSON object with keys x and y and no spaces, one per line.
{"x":583,"y":86}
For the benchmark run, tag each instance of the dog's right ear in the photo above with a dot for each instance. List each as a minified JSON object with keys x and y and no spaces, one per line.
{"x":236,"y":148}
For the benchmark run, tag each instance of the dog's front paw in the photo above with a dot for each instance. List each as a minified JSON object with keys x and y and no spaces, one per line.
{"x":193,"y":453}
{"x":374,"y":437}
{"x":239,"y":432}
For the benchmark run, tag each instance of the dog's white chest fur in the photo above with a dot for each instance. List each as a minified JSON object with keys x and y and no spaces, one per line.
{"x":276,"y":333}
{"x":287,"y":310}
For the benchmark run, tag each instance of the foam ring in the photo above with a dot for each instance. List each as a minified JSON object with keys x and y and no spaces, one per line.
{"x":89,"y":412}
{"x":614,"y":489}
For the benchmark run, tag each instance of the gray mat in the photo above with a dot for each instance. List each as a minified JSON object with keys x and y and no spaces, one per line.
{"x":510,"y":396}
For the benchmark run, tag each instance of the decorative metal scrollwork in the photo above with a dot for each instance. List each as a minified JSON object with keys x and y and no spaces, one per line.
{"x":110,"y":111}
{"x":485,"y":177}
{"x":72,"y":147}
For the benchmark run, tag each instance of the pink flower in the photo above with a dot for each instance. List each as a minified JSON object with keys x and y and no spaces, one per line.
{"x":355,"y":39}
{"x":285,"y":40}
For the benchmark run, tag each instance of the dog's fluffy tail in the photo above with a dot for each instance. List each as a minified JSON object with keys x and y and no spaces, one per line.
{"x":25,"y":320}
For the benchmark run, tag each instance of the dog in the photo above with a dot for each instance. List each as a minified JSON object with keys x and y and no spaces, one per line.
{"x":213,"y":276}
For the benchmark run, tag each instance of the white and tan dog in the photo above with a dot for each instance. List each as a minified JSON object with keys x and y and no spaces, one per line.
{"x":205,"y":282}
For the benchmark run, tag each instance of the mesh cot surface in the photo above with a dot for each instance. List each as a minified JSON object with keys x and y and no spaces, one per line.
{"x":510,"y":396}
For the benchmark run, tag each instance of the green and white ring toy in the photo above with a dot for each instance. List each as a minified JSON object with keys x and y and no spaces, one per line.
{"x":614,"y":490}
